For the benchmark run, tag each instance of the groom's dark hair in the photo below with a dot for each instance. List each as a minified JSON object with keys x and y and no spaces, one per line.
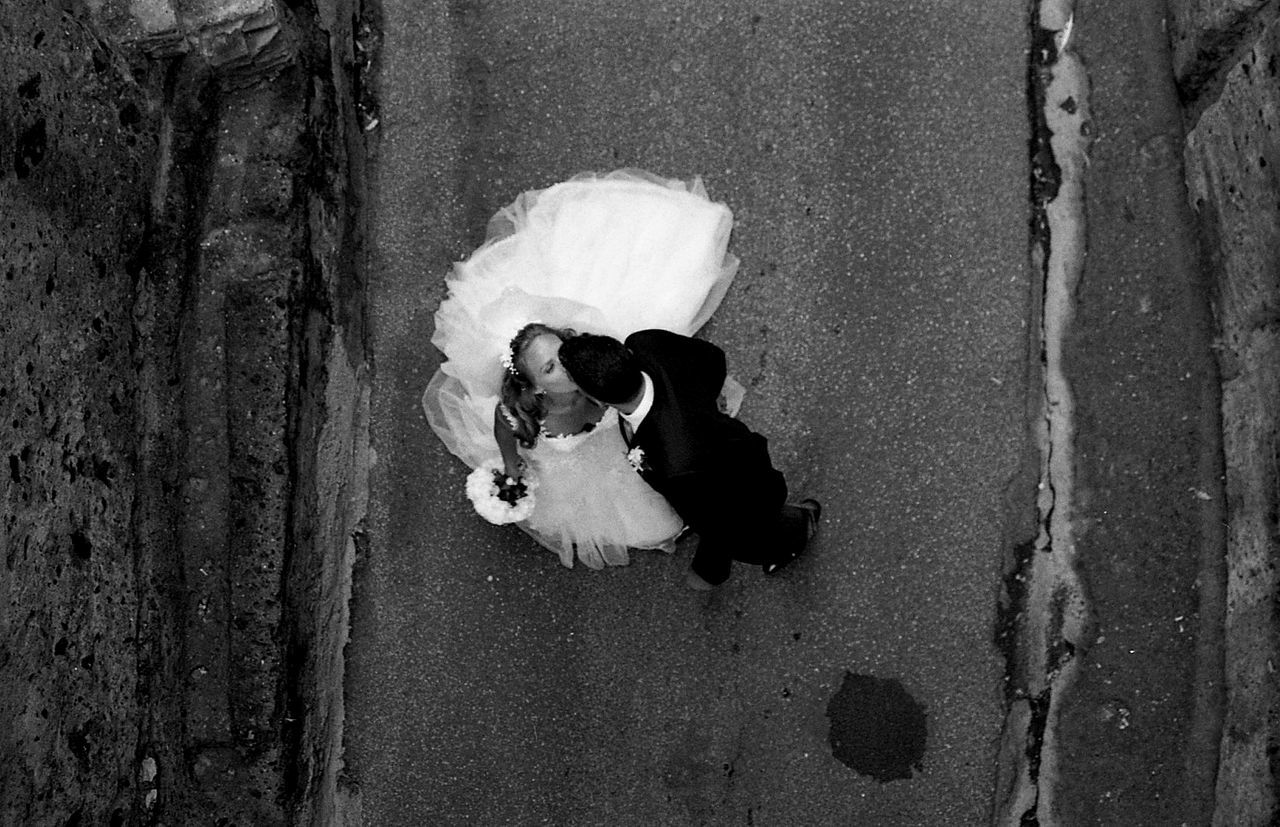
{"x":602,"y":367}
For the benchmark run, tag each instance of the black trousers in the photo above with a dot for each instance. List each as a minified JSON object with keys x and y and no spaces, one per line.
{"x":748,"y":522}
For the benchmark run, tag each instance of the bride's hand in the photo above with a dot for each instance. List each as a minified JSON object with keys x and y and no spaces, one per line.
{"x":514,"y":473}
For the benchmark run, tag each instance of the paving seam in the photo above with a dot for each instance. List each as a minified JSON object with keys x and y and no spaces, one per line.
{"x":1054,"y":609}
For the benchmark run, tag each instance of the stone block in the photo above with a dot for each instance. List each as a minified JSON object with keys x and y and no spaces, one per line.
{"x":77,"y":141}
{"x":149,"y":389}
{"x":245,"y":35}
{"x":127,"y":20}
{"x":1206,"y":34}
{"x":1232,"y":158}
{"x":1246,"y":790}
{"x":1231,"y":162}
{"x":239,"y":375}
{"x":200,"y":14}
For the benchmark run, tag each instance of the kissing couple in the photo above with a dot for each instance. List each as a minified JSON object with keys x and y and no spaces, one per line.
{"x":591,"y":443}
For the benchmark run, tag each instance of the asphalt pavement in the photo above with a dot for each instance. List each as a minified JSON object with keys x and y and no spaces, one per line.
{"x":875,"y":157}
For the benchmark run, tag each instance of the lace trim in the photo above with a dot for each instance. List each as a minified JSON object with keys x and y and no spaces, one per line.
{"x":543,"y":432}
{"x":610,"y":418}
{"x":509,"y":416}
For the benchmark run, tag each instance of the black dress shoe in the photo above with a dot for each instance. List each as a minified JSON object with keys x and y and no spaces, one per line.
{"x":813,"y":513}
{"x":776,"y":566}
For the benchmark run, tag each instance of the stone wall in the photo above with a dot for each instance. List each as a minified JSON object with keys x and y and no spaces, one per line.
{"x":331,"y":430}
{"x":184,"y":407}
{"x":1226,"y":57}
{"x":78,"y":138}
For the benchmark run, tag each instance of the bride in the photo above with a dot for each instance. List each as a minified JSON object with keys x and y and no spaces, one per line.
{"x":607,"y":254}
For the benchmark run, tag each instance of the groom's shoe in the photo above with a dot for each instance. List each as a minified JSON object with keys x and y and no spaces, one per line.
{"x":813,"y":514}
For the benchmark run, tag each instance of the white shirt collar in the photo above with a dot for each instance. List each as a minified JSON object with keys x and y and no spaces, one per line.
{"x":646,"y":404}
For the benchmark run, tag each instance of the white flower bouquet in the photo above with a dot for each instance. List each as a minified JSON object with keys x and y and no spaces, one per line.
{"x":497,"y":497}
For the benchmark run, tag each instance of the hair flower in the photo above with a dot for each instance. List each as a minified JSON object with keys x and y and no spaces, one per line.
{"x":508,"y":357}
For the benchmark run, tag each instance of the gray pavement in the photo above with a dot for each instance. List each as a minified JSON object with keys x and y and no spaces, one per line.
{"x":875,"y":157}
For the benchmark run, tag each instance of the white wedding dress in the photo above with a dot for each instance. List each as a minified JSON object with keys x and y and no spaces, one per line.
{"x":609,"y":254}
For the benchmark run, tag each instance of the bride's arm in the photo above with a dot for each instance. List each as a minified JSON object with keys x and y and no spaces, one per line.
{"x":506,"y":437}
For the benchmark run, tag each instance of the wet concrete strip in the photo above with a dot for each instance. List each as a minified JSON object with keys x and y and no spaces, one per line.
{"x":1057,"y":598}
{"x":1053,"y":608}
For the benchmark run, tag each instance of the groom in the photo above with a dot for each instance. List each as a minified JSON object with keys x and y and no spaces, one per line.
{"x":714,"y":470}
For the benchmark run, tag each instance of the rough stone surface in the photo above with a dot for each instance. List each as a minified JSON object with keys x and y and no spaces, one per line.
{"x":241,"y":39}
{"x":238,"y":377}
{"x":77,"y":136}
{"x":1231,"y":158}
{"x":1206,"y":37}
{"x":332,"y":433}
{"x":184,"y":414}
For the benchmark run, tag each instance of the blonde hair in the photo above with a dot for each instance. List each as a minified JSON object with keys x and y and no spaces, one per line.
{"x":522,"y":405}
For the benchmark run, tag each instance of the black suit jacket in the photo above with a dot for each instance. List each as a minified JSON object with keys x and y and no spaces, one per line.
{"x":712,"y":468}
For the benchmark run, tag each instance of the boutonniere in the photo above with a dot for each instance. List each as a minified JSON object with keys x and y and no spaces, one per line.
{"x":636,"y":457}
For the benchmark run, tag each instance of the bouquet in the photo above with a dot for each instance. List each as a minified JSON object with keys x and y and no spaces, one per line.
{"x":497,"y":497}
